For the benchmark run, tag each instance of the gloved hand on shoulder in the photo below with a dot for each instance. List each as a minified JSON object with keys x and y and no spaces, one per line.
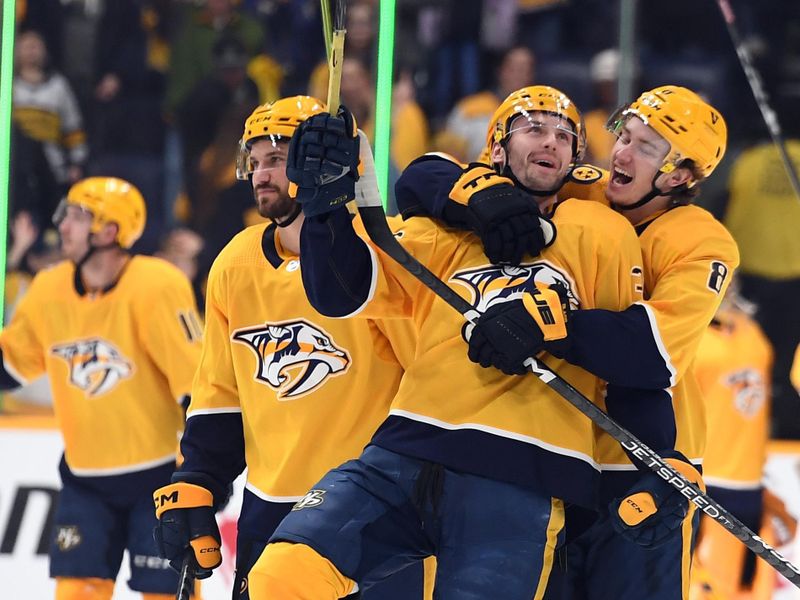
{"x":506,"y":218}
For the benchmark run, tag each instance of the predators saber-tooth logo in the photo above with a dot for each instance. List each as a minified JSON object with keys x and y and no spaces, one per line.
{"x":294,"y":357}
{"x":311,"y":499}
{"x":68,"y":537}
{"x":95,"y":365}
{"x":493,"y":284}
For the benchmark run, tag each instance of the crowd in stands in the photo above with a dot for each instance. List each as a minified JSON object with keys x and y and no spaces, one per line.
{"x":154,"y":91}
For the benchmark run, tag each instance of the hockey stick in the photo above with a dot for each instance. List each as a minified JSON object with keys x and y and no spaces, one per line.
{"x":754,"y":79}
{"x":371,"y":211}
{"x":186,"y":578}
{"x":336,"y":56}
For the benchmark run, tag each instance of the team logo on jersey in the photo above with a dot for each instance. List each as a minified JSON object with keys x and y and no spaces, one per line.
{"x":95,"y":365}
{"x":294,"y":357}
{"x":68,"y":537}
{"x":493,"y":284}
{"x":749,"y":391}
{"x":311,"y":499}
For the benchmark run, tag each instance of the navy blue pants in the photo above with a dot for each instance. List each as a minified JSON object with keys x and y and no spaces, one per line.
{"x":374,"y":516}
{"x":258,"y":521}
{"x":90,"y":534}
{"x":600,"y":564}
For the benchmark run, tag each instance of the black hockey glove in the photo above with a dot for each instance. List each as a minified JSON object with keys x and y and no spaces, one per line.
{"x":186,"y":523}
{"x":508,"y":333}
{"x":653,"y":511}
{"x":505,"y":218}
{"x":322,"y":162}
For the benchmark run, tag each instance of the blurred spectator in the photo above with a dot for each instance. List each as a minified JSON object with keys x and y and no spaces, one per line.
{"x":733,"y":366}
{"x":33,"y":186}
{"x":192,"y":56}
{"x":45,"y":109}
{"x":359,"y":45}
{"x":604,"y":70}
{"x":131,"y":60}
{"x":454,"y":28}
{"x":181,"y":247}
{"x":225,"y":94}
{"x":540,"y":24}
{"x":46,"y":17}
{"x":361,"y":32}
{"x":470,"y":117}
{"x":409,"y":138}
{"x":293,"y":32}
{"x":191,"y":60}
{"x":357,"y":92}
{"x":762,"y":214}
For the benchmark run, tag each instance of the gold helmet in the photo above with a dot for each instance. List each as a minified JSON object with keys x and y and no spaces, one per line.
{"x":694,"y":129}
{"x":109,"y":200}
{"x":278,"y":121}
{"x":537,"y":98}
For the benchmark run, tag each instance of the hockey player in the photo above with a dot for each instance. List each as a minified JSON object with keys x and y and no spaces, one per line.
{"x":118,"y":336}
{"x":472,"y":466}
{"x":733,"y":367}
{"x":281,"y":390}
{"x":687,"y":258}
{"x":668,"y":141}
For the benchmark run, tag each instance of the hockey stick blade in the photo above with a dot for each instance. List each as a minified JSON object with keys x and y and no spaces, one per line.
{"x":372,"y":215}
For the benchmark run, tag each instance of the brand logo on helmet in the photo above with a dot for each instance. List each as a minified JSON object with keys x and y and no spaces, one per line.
{"x":68,"y":537}
{"x":294,"y":357}
{"x":95,"y":365}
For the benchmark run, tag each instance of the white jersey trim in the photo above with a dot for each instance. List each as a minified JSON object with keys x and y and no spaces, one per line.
{"x":373,"y":283}
{"x":526,"y":439}
{"x":123,"y":470}
{"x":662,"y":349}
{"x":212,"y":411}
{"x":268,"y":498}
{"x":732,"y":484}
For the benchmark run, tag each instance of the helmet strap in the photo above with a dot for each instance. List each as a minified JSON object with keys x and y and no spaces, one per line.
{"x":292,"y":216}
{"x":653,"y":193}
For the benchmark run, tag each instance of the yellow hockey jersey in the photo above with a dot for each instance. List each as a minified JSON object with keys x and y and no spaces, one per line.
{"x":119,"y":362}
{"x":733,"y":367}
{"x":478,"y":420}
{"x":306,"y":391}
{"x":689,"y":258}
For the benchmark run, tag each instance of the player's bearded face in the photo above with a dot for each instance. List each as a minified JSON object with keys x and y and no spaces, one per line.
{"x":636,"y":158}
{"x":270,"y":184}
{"x":539,"y":150}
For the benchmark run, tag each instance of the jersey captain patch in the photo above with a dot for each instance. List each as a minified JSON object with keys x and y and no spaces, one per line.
{"x":294,"y":357}
{"x":95,"y":365}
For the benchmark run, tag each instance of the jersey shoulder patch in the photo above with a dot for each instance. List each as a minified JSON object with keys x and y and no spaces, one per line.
{"x":586,"y":174}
